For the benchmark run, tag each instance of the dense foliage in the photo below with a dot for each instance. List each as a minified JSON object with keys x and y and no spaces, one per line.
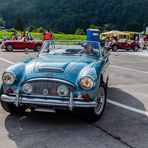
{"x":69,"y":15}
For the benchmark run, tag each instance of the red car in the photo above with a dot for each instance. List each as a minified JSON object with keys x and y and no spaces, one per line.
{"x":21,"y":44}
{"x":127,"y":45}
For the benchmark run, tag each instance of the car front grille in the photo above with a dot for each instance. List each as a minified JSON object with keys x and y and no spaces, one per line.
{"x":50,"y":86}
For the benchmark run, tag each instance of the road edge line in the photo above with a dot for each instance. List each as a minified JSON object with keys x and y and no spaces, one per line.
{"x":6,"y":61}
{"x":128,"y":107}
{"x":125,"y":68}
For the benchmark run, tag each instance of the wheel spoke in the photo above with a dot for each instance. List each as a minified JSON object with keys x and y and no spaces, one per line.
{"x":100,"y":100}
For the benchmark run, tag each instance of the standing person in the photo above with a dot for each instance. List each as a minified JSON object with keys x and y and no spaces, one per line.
{"x":48,"y":35}
{"x":141,"y":42}
{"x":145,"y":38}
{"x":107,"y":43}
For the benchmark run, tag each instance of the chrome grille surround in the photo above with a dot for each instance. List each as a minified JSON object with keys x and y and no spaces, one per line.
{"x":40,"y":84}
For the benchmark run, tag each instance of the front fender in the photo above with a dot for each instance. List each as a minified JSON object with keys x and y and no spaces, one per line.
{"x":1,"y":90}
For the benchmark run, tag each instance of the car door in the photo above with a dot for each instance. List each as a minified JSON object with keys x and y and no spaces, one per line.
{"x":122,"y":44}
{"x":19,"y":44}
{"x":29,"y":44}
{"x":127,"y":45}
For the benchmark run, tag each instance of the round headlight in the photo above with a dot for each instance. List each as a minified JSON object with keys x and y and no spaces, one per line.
{"x":27,"y":88}
{"x":8,"y":78}
{"x":62,"y":90}
{"x":87,"y":82}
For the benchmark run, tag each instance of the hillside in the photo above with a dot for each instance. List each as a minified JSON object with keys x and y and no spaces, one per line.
{"x":67,"y":15}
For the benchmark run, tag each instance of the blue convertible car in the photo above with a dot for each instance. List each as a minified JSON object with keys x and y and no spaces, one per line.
{"x":65,"y":75}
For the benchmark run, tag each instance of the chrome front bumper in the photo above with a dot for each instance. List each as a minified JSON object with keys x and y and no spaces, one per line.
{"x":71,"y":103}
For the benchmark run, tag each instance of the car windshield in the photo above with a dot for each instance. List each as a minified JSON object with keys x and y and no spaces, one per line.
{"x":86,"y":48}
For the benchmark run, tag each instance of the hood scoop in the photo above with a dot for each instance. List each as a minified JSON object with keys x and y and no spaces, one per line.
{"x":52,"y":69}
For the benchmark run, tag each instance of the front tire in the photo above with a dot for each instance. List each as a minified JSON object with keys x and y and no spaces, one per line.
{"x":94,"y":114}
{"x":135,"y":48}
{"x":11,"y":108}
{"x":114,"y":48}
{"x":9,"y":47}
{"x":37,"y":47}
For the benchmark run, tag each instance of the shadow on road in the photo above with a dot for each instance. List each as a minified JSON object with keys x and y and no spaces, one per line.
{"x":63,"y":128}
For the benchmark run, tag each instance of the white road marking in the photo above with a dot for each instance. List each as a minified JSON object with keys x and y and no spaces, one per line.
{"x":128,"y":107}
{"x":7,"y":61}
{"x":108,"y":100}
{"x":130,"y":69}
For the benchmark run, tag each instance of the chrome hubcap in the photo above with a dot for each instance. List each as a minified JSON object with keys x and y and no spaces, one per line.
{"x":9,"y":47}
{"x":38,"y":47}
{"x":115,"y":48}
{"x":136,"y":48}
{"x":100,"y":100}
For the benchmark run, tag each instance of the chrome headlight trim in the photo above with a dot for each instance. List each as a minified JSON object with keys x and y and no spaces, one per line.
{"x":89,"y":77}
{"x":62,"y":90}
{"x":27,"y":88}
{"x":10,"y":74}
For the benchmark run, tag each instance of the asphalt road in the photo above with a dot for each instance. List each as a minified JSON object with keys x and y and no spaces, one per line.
{"x":123,"y":124}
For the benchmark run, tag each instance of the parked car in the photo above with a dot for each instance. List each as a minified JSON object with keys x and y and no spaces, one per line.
{"x":65,"y":75}
{"x":127,"y":45}
{"x":21,"y":44}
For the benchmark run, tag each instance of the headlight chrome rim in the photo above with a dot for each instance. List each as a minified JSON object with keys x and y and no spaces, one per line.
{"x":90,"y":77}
{"x":25,"y":88}
{"x":9,"y":73}
{"x":66,"y":93}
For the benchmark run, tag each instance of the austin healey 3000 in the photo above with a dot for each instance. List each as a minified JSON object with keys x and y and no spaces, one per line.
{"x":65,"y":75}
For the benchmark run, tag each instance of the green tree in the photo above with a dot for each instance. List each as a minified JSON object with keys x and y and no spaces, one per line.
{"x":2,"y":22}
{"x":79,"y":32}
{"x":19,"y":25}
{"x":66,"y":16}
{"x":101,"y":28}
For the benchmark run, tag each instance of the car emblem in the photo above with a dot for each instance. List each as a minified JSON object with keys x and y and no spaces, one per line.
{"x":45,"y":92}
{"x":49,"y":74}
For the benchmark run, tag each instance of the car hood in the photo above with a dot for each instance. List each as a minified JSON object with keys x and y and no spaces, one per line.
{"x":70,"y":68}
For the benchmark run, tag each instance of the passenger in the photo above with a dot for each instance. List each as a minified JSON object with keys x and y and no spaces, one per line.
{"x":29,"y":36}
{"x":23,"y":35}
{"x":14,"y":36}
{"x":89,"y":50}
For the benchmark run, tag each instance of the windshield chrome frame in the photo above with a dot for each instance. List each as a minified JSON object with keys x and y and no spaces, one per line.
{"x":83,"y":41}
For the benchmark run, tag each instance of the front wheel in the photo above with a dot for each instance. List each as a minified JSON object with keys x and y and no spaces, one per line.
{"x":114,"y":48}
{"x":9,"y":47}
{"x":94,"y":114}
{"x":11,"y":108}
{"x":37,"y":47}
{"x":135,"y":48}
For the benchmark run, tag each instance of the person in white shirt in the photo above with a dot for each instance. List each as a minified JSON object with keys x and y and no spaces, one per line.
{"x":141,"y":42}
